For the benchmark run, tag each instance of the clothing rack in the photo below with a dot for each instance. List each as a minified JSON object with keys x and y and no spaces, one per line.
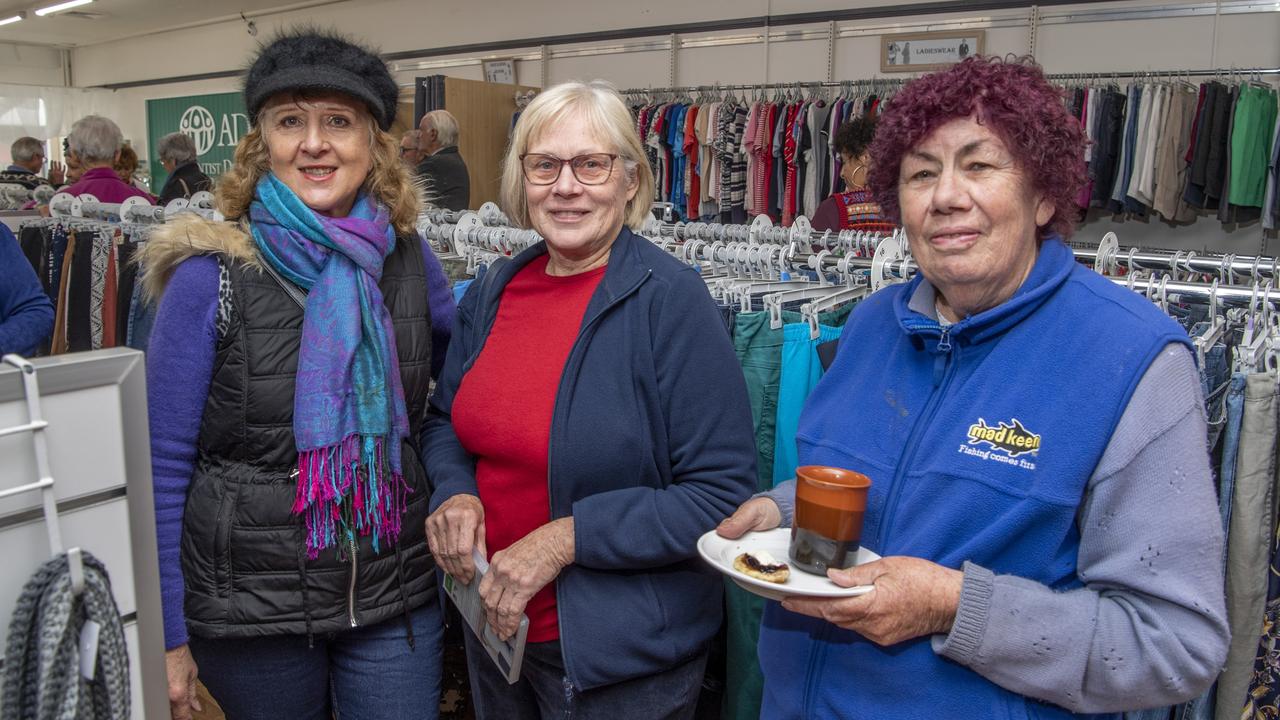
{"x":763,"y":252}
{"x":489,"y":214}
{"x":132,"y":210}
{"x":892,"y":82}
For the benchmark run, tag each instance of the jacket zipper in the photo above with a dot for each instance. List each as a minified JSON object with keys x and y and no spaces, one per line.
{"x":351,"y":587}
{"x":555,"y":408}
{"x":943,"y":370}
{"x":817,"y":658}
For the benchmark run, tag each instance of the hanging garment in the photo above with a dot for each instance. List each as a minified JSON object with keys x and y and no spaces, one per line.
{"x":788,"y":157}
{"x":1171,"y":172}
{"x":778,"y":176}
{"x":749,"y":152}
{"x":1085,"y":116}
{"x":59,"y":339}
{"x":693,"y":181}
{"x":42,"y":678}
{"x":1217,"y":149}
{"x":1263,"y":699}
{"x":1226,"y":211}
{"x":110,"y":289}
{"x":79,"y":295}
{"x":1253,"y":522}
{"x":1110,"y":139}
{"x":744,"y":683}
{"x":1271,"y":199}
{"x":733,"y":163}
{"x":99,"y":249}
{"x":124,"y":291}
{"x":1251,"y":145}
{"x":1207,"y":120}
{"x":801,"y":370}
{"x":819,"y":119}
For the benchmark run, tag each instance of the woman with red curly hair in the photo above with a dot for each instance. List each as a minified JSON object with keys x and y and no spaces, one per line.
{"x":1035,"y":437}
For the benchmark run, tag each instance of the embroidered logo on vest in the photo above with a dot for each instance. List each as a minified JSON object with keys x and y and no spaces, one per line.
{"x":1007,"y":442}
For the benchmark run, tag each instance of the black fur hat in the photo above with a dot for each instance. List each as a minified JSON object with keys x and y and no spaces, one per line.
{"x":309,"y":59}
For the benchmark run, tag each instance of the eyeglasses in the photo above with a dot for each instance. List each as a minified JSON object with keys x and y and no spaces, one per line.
{"x":405,"y":151}
{"x":590,"y":169}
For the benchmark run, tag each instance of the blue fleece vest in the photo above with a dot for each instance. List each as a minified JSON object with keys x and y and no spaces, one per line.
{"x":980,"y":441}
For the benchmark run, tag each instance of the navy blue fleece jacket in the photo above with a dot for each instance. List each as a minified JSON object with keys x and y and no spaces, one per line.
{"x":651,"y":446}
{"x":26,"y":313}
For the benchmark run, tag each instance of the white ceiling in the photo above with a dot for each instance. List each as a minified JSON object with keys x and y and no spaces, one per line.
{"x":106,"y":20}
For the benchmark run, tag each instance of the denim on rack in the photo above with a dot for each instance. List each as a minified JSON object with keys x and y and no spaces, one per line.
{"x":1162,"y":713}
{"x":1230,"y":446}
{"x":1214,"y":378}
{"x":142,"y":316}
{"x":729,"y":314}
{"x":1188,"y":316}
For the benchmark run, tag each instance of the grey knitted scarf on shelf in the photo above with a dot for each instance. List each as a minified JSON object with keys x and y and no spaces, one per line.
{"x":42,"y":677}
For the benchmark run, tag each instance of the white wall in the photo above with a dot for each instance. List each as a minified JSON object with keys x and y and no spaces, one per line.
{"x":30,"y":65}
{"x":1091,"y":41}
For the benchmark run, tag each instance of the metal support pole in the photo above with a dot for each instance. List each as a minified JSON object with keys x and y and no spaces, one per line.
{"x":831,"y":50}
{"x":671,"y":67}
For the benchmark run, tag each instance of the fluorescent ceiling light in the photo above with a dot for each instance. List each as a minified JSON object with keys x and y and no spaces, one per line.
{"x":10,"y":20}
{"x":61,"y":6}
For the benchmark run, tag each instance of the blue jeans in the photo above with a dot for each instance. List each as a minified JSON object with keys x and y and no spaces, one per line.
{"x":368,"y":673}
{"x":1215,"y":375}
{"x":544,"y":691}
{"x":1230,"y":446}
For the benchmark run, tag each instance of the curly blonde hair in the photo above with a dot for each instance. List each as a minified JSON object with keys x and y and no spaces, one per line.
{"x":388,"y":180}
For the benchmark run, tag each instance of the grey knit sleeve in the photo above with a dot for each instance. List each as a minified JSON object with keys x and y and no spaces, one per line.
{"x":1149,"y":626}
{"x":784,"y":496}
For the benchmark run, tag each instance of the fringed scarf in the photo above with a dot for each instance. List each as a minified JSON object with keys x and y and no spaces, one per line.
{"x":348,"y":411}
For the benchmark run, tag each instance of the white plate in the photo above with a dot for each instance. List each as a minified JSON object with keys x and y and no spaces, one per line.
{"x":720,"y":552}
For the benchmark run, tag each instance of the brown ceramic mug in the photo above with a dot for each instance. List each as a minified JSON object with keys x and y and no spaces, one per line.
{"x":827,"y":528}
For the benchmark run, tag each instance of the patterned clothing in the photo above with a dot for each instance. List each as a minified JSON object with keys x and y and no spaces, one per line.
{"x":853,"y":210}
{"x":96,"y":294}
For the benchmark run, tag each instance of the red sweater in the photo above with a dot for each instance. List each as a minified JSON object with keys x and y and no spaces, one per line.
{"x":502,"y":411}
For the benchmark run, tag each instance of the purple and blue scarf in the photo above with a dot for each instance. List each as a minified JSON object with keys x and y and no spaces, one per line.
{"x":348,"y":411}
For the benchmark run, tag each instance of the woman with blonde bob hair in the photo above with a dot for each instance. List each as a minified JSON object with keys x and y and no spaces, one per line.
{"x":287,"y":374}
{"x":584,"y":433}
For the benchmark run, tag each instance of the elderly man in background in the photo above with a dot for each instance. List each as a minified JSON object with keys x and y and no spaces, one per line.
{"x":409,"y":154}
{"x":28,"y":160}
{"x":442,"y":167}
{"x":95,"y":144}
{"x":178,"y":155}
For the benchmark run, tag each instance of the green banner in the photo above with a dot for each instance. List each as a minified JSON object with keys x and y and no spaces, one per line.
{"x":214,"y":122}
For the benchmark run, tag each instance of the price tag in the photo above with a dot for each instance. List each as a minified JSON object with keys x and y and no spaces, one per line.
{"x":89,"y":649}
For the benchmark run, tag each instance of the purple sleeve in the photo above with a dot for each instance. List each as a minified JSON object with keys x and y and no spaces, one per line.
{"x":179,"y":371}
{"x":440,"y":300}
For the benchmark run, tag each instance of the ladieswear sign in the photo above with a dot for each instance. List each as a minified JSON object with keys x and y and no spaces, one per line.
{"x":215,"y":122}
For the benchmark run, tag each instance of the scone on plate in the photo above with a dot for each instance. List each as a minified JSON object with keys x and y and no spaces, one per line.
{"x":761,"y":565}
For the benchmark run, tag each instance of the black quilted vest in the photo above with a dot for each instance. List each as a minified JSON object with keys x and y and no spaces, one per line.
{"x":243,"y":550}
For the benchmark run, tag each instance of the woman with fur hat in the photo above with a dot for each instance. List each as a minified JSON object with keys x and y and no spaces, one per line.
{"x":287,"y":378}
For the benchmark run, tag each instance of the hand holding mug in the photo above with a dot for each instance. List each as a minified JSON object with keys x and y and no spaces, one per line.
{"x":827,"y":529}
